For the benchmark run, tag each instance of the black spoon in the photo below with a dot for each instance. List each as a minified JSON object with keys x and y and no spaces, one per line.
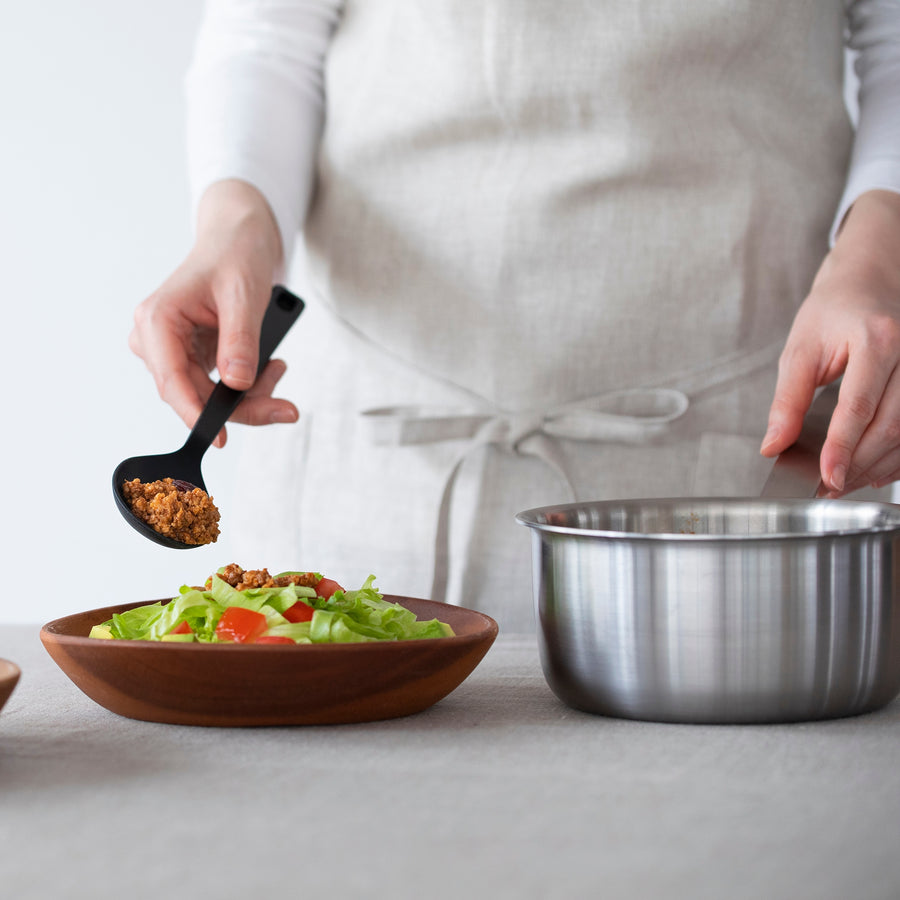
{"x":184,"y":465}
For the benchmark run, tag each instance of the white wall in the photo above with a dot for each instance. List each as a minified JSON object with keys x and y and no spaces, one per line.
{"x":93,"y":215}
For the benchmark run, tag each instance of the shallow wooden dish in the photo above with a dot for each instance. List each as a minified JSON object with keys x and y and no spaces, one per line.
{"x":9,"y":677}
{"x":230,"y":684}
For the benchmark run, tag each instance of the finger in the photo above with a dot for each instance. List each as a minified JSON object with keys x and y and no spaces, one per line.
{"x":864,"y":482}
{"x":890,"y":478}
{"x":794,"y":391}
{"x":240,"y":317}
{"x":878,"y":475}
{"x":266,"y":411}
{"x":268,"y":379}
{"x":163,"y":339}
{"x":203,"y":386}
{"x":861,"y":391}
{"x":871,"y":458}
{"x":259,"y":407}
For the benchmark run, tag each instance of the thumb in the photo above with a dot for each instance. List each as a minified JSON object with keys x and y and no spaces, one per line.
{"x":240,"y":318}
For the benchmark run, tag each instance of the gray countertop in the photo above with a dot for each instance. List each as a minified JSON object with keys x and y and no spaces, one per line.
{"x":497,"y":791}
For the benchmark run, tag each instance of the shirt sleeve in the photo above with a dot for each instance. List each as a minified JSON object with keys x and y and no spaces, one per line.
{"x":873,"y":37}
{"x":255,"y":101}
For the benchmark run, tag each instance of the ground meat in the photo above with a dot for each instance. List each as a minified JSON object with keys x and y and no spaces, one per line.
{"x":177,"y":510}
{"x":244,"y":580}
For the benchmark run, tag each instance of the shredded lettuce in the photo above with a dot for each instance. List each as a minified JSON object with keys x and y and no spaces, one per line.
{"x":345,"y":617}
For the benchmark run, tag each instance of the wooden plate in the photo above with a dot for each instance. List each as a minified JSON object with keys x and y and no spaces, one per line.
{"x":231,"y":684}
{"x":9,"y":676}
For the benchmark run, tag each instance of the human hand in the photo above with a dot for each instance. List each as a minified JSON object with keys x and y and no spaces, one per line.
{"x":208,"y":313}
{"x":850,"y":324}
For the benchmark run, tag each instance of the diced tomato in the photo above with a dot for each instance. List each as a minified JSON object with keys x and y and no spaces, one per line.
{"x":274,"y":639}
{"x":299,"y":612}
{"x":181,"y":628}
{"x":326,"y":587}
{"x":243,"y":626}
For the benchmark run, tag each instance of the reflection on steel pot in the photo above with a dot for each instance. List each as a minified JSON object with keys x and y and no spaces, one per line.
{"x":719,"y":610}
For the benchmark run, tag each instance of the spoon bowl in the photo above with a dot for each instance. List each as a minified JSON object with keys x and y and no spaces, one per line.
{"x":184,"y":464}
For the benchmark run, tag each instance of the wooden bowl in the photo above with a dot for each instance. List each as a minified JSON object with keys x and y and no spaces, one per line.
{"x":259,"y":684}
{"x":9,"y":676}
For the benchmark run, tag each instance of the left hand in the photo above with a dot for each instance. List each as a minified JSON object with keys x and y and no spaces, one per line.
{"x":849,"y":324}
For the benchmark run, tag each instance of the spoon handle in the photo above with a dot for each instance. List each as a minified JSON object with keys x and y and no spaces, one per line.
{"x":283,"y":310}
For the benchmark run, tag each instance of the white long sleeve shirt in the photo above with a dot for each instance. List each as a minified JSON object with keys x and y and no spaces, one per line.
{"x":256,"y":104}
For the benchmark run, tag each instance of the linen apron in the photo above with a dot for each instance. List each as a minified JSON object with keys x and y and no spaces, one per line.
{"x":555,"y":250}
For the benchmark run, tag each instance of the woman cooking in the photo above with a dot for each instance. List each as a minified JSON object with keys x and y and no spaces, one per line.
{"x":556,"y":251}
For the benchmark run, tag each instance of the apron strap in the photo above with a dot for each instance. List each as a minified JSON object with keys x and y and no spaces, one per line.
{"x":629,"y":416}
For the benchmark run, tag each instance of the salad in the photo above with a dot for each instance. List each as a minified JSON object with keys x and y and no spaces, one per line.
{"x":251,"y":607}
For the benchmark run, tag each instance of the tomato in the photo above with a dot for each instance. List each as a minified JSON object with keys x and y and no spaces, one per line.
{"x":326,"y":587}
{"x":274,"y":639}
{"x":243,"y":626}
{"x":299,"y":612}
{"x":181,"y":628}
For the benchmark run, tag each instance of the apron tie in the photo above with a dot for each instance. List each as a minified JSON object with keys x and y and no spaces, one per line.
{"x":631,"y":416}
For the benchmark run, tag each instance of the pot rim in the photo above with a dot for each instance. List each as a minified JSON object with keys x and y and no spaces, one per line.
{"x":889,"y":523}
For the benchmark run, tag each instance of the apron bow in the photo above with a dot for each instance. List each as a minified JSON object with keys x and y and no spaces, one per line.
{"x":631,"y":416}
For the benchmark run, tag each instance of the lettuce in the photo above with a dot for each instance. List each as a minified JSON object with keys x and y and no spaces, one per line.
{"x":345,"y":617}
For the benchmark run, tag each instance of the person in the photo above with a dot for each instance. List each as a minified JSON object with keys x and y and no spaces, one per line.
{"x":551,"y":252}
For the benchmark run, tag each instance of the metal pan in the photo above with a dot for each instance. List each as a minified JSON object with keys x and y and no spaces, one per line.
{"x":719,"y":610}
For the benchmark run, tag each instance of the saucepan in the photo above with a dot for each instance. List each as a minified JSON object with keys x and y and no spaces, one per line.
{"x":721,"y":610}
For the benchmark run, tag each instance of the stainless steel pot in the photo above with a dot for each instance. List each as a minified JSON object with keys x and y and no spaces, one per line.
{"x":719,"y":610}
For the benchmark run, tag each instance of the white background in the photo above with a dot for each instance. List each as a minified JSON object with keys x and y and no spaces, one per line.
{"x":94,"y":213}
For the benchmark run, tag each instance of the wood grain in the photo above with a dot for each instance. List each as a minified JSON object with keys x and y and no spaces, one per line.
{"x":252,"y":685}
{"x":9,"y":677}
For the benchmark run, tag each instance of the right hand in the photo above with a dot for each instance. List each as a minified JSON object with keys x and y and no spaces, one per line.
{"x":849,"y":324}
{"x":208,"y":313}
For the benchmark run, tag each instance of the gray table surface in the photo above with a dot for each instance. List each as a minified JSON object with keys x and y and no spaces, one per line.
{"x":497,"y":791}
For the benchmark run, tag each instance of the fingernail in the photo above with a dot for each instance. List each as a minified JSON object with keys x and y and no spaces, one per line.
{"x":771,"y":436}
{"x":838,"y":474}
{"x":238,"y":371}
{"x":284,"y":416}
